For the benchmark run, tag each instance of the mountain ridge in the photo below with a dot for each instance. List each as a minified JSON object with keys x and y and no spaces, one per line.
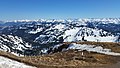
{"x":43,"y":33}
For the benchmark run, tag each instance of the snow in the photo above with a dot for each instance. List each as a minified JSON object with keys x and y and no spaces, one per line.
{"x":4,"y":47}
{"x":89,"y":34}
{"x":4,"y":39}
{"x":69,"y":35}
{"x":44,"y":39}
{"x":103,"y":20}
{"x":17,"y":41}
{"x":44,"y":51}
{"x":21,"y":20}
{"x":36,"y":31}
{"x":8,"y":63}
{"x":14,"y":42}
{"x":101,"y":39}
{"x":16,"y":54}
{"x":92,"y":48}
{"x":59,"y":27}
{"x":28,"y":45}
{"x":56,"y":46}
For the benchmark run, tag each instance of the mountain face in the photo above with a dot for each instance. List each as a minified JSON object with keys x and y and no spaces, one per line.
{"x":31,"y":37}
{"x":13,"y":44}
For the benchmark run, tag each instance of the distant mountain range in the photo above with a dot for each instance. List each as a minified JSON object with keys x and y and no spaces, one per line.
{"x":30,"y":37}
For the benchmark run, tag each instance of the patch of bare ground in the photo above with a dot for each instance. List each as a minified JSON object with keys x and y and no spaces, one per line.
{"x":72,"y":58}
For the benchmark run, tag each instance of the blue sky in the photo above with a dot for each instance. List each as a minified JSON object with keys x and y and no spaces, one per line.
{"x":58,"y":9}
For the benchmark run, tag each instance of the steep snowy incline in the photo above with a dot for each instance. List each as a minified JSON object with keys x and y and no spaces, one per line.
{"x":13,"y":44}
{"x":8,"y":63}
{"x":88,"y":34}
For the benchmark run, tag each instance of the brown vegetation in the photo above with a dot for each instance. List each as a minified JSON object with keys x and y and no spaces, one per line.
{"x":70,"y":58}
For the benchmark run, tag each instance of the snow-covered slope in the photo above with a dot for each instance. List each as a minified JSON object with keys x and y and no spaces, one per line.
{"x":88,"y":34}
{"x":8,"y":63}
{"x":92,"y":48}
{"x":13,"y":44}
{"x":81,"y":47}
